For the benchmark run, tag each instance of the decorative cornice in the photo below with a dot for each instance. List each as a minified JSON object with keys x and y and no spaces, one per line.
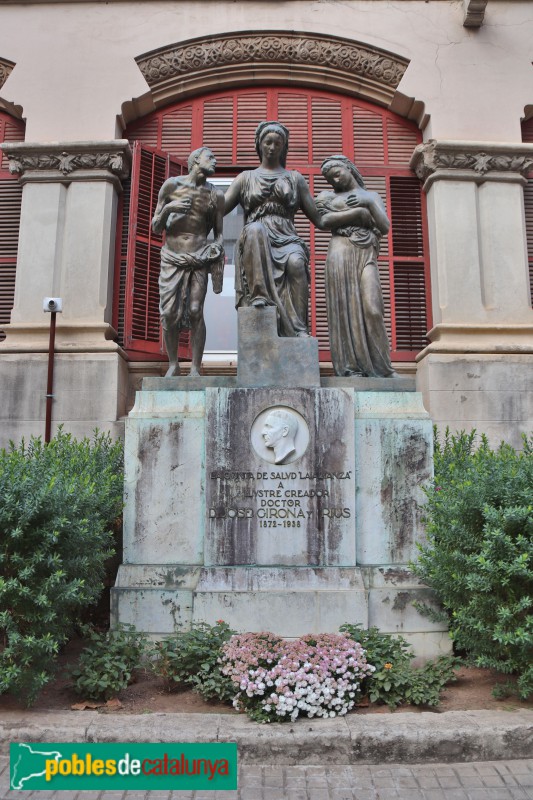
{"x":65,"y":159}
{"x":474,"y":13}
{"x":494,"y":339}
{"x":477,"y":161}
{"x":6,"y":68}
{"x":369,"y":70}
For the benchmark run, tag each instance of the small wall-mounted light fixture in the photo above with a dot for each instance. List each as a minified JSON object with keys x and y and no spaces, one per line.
{"x":53,"y":304}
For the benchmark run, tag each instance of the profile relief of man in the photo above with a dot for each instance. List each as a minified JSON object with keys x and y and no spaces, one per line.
{"x":279,"y":432}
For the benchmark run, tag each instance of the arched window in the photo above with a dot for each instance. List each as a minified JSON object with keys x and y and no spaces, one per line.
{"x":527,"y":136}
{"x":11,"y":130}
{"x":320,"y":124}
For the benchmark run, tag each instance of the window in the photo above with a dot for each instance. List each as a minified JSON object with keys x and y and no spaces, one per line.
{"x":11,"y":130}
{"x":320,"y":124}
{"x":219,"y":309}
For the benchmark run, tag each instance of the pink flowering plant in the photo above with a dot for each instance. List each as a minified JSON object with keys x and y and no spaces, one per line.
{"x":280,"y":680}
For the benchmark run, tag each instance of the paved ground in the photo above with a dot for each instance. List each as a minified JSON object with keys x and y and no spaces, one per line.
{"x":399,"y":738}
{"x":476,"y":755}
{"x":490,"y":780}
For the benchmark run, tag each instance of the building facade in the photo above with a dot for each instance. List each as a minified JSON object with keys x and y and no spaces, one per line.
{"x":99,"y":102}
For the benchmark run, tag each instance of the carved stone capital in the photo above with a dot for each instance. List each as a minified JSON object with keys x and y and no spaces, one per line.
{"x":69,"y":160}
{"x":478,"y":161}
{"x":187,"y":66}
{"x":6,"y":68}
{"x":474,"y":13}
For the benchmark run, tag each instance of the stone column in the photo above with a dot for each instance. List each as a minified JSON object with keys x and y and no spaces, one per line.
{"x":477,"y":370}
{"x":66,"y":249}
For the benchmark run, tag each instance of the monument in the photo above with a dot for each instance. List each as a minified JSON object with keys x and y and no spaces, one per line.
{"x":277,"y":499}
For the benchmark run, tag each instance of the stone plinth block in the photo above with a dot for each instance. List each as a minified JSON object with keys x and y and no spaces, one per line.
{"x":156,"y":599}
{"x":289,"y":601}
{"x":491,"y":393}
{"x":266,"y":359}
{"x":280,"y":486}
{"x":393,"y":441}
{"x":164,"y":479}
{"x":89,"y":392}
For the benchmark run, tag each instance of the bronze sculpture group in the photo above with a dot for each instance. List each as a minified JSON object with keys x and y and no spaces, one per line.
{"x":272,"y":261}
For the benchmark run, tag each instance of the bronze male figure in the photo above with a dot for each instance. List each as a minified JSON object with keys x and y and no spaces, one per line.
{"x":188,"y":208}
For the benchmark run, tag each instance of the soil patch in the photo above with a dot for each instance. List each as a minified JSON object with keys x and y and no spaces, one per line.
{"x":148,"y":695}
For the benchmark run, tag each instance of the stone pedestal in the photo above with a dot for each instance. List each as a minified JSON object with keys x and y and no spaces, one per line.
{"x":216,"y":529}
{"x":266,"y":359}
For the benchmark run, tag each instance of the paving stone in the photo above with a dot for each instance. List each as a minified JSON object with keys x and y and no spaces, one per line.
{"x":342,"y":794}
{"x":434,"y":794}
{"x":449,"y":781}
{"x":428,"y":781}
{"x":317,"y":793}
{"x":407,"y":782}
{"x":520,"y":767}
{"x":492,"y":780}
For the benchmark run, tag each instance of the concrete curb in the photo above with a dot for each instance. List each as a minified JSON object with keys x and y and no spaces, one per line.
{"x":356,"y":739}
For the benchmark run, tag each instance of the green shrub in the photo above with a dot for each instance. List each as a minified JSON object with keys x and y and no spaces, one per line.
{"x":395,"y":681}
{"x":106,"y":665}
{"x":479,"y":555}
{"x":57,"y":504}
{"x":190,"y":660}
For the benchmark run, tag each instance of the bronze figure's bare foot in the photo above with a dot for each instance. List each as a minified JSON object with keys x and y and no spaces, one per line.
{"x":173,"y":371}
{"x":259,"y":303}
{"x":194,"y":373}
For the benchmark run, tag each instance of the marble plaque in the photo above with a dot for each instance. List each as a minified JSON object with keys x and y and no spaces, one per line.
{"x":280,"y":477}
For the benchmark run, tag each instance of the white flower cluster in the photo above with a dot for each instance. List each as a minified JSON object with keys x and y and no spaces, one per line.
{"x":313,"y":676}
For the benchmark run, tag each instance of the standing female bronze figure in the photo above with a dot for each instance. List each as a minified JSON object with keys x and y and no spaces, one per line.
{"x":359,"y":343}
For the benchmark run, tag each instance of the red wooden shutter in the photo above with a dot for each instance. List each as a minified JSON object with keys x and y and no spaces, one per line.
{"x":326,"y":128}
{"x":11,"y":130}
{"x":121,"y":261}
{"x":379,"y":184}
{"x":320,"y":124}
{"x":251,"y":109}
{"x":368,"y":137}
{"x":176,"y":133}
{"x":408,"y":266}
{"x":150,"y":168}
{"x":294,"y":113}
{"x":528,"y":202}
{"x":218,"y":129}
{"x":527,"y":136}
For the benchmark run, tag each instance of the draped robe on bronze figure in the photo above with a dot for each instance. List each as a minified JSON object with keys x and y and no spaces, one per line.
{"x":358,"y":337}
{"x":270,"y":201}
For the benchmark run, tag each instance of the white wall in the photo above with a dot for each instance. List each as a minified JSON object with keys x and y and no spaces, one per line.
{"x":75,"y":61}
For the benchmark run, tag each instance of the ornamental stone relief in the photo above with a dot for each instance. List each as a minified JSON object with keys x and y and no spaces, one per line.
{"x":308,"y":50}
{"x":111,"y":157}
{"x":6,"y":68}
{"x":480,"y":159}
{"x":474,"y":13}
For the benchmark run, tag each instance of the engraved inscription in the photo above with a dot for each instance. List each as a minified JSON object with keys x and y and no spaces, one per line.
{"x":280,"y":481}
